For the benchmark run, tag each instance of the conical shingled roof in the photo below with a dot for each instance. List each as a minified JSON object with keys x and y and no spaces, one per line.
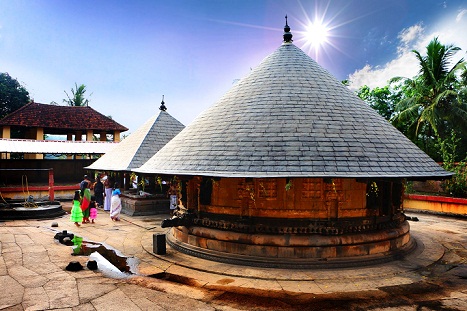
{"x":291,"y":118}
{"x":141,"y":145}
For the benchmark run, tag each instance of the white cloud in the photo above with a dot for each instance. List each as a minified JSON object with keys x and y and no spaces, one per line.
{"x":403,"y":66}
{"x":410,"y":34}
{"x":449,"y":31}
{"x":460,"y":15}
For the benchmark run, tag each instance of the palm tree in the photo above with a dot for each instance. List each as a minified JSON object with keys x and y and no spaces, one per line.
{"x":78,"y":96}
{"x":432,"y":102}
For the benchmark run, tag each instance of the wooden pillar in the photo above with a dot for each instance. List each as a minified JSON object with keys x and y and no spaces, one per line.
{"x":116,"y":136}
{"x":103,"y":136}
{"x":51,"y":185}
{"x":89,"y":137}
{"x":39,"y":133}
{"x":5,"y":133}
{"x":79,"y":137}
{"x":69,"y":137}
{"x":35,"y":134}
{"x":121,"y":181}
{"x":127,"y":181}
{"x":39,"y":136}
{"x":89,"y":134}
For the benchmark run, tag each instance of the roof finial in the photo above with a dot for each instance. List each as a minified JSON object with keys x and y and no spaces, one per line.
{"x":163,"y":107}
{"x":287,"y":34}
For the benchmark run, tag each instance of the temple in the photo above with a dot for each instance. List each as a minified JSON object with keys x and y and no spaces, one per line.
{"x":134,"y":151}
{"x":290,"y":168}
{"x":34,"y":120}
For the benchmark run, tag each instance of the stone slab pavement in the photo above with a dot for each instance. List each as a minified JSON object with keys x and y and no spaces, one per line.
{"x":33,"y":275}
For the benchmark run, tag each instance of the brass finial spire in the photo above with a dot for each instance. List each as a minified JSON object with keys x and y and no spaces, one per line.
{"x":163,"y":107}
{"x":287,"y":34}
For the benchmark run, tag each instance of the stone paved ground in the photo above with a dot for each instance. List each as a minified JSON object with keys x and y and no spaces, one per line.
{"x":33,"y":275}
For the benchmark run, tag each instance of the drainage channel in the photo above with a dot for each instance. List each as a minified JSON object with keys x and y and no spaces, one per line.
{"x":110,"y":261}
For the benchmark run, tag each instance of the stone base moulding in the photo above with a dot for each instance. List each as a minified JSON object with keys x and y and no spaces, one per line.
{"x":293,"y":251}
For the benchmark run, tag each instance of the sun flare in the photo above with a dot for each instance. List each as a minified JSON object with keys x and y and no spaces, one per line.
{"x":316,"y":34}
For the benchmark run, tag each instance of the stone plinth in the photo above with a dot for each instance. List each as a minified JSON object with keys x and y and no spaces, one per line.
{"x":291,"y":250}
{"x":135,"y":205}
{"x":276,"y":220}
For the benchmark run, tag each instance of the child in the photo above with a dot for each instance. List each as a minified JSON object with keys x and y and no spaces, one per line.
{"x":93,"y":211}
{"x":76,"y":212}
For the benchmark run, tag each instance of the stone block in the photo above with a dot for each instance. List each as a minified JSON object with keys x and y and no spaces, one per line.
{"x":136,"y":206}
{"x":285,"y":252}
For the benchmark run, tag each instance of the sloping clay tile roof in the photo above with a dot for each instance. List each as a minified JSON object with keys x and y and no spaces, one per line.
{"x":61,"y":117}
{"x":140,"y":146}
{"x":291,"y":118}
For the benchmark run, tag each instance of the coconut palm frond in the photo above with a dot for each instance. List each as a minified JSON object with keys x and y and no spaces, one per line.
{"x":77,"y":98}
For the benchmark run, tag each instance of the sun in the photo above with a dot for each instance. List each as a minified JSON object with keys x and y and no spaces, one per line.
{"x":316,"y":34}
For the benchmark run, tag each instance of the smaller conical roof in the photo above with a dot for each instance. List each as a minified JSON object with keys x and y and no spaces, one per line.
{"x":140,"y":146}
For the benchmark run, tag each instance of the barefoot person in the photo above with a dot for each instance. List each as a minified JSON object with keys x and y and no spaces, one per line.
{"x":76,"y":212}
{"x":107,"y":193}
{"x":99,"y":192}
{"x":93,"y":211}
{"x":173,"y":190}
{"x":85,"y":201}
{"x":115,"y":205}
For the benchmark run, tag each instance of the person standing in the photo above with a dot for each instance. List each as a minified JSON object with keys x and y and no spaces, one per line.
{"x":93,"y":211}
{"x":85,"y":201}
{"x":116,"y":205}
{"x":107,"y":193}
{"x":76,"y":212}
{"x":84,"y":184}
{"x":173,"y":197}
{"x":99,"y":192}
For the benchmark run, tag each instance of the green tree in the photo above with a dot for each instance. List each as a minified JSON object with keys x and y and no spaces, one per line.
{"x":12,"y":95}
{"x":77,"y":98}
{"x":382,"y":99}
{"x":432,"y":102}
{"x":457,"y":185}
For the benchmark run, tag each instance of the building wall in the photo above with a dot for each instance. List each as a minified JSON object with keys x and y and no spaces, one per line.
{"x":64,"y":171}
{"x":292,"y":197}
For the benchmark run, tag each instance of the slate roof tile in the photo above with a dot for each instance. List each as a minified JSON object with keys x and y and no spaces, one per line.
{"x":288,"y":118}
{"x":141,"y":145}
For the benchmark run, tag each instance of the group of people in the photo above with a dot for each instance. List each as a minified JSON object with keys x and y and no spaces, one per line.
{"x":106,"y":196}
{"x":84,"y":208}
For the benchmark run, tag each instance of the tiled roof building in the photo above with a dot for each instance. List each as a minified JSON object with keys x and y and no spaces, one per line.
{"x":140,"y":146}
{"x":34,"y":120}
{"x":57,"y":119}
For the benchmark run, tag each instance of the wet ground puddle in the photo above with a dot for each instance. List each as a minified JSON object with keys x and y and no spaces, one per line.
{"x":107,"y":258}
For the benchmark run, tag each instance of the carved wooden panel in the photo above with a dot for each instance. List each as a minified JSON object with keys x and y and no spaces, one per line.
{"x":267,"y":188}
{"x":312,"y":188}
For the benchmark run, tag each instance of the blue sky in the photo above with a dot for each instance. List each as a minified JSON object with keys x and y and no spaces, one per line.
{"x":130,"y":53}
